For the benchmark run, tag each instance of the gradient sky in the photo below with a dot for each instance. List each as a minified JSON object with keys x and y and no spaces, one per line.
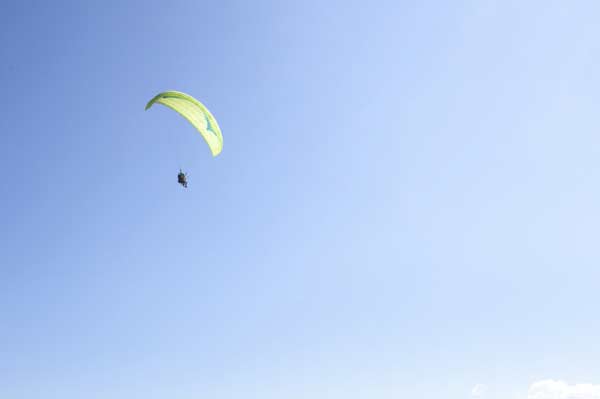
{"x":406,"y":205}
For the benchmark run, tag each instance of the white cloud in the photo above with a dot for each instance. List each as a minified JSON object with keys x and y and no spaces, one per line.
{"x":551,"y":389}
{"x":478,"y":391}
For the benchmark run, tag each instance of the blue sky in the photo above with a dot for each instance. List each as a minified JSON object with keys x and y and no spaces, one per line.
{"x":406,"y":204}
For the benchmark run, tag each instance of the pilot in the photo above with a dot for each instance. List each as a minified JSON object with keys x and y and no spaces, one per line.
{"x":182,"y":179}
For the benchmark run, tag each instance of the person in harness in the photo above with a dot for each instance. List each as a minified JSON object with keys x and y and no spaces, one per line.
{"x":182,"y":178}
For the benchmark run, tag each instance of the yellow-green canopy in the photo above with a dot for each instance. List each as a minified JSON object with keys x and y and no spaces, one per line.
{"x":196,"y":113}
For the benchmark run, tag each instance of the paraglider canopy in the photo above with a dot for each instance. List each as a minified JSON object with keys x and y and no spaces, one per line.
{"x":196,"y":113}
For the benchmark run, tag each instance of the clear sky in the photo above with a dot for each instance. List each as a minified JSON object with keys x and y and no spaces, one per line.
{"x":406,"y":205}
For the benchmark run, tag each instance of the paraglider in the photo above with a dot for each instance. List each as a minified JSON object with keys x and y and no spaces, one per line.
{"x":182,"y":178}
{"x":198,"y":115}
